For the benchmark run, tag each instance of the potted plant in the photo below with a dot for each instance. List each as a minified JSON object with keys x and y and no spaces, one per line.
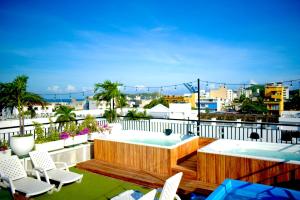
{"x":91,"y":125}
{"x":15,"y":95}
{"x":4,"y":150}
{"x":48,"y":142}
{"x":72,"y":136}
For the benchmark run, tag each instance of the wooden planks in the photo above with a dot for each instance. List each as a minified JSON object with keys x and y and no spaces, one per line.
{"x":214,"y":168}
{"x":141,"y":177}
{"x":156,"y":160}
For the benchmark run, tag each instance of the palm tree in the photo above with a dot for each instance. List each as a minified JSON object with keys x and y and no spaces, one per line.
{"x":15,"y":95}
{"x":107,"y":91}
{"x":122,"y":102}
{"x":65,"y":114}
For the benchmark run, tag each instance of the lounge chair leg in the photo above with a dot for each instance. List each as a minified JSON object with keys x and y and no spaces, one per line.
{"x":177,"y":197}
{"x":58,"y":188}
{"x":51,"y":191}
{"x":79,"y":181}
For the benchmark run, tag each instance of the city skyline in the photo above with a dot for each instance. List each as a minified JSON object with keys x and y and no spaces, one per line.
{"x":66,"y":47}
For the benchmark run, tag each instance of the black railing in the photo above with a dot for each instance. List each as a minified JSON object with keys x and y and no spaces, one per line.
{"x":261,"y":132}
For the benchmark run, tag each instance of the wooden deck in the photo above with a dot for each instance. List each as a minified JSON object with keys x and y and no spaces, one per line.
{"x":188,"y":166}
{"x":147,"y":179}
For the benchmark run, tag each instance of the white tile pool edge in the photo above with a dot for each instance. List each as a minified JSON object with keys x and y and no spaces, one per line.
{"x":206,"y":149}
{"x":107,"y":138}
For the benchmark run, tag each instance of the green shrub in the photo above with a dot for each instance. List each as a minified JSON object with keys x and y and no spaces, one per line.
{"x":90,"y":123}
{"x":39,"y":133}
{"x":71,"y":128}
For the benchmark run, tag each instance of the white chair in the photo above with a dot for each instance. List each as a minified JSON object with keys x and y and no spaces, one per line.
{"x":168,"y":192}
{"x":14,"y":176}
{"x":171,"y":185}
{"x":134,"y":195}
{"x":44,"y":164}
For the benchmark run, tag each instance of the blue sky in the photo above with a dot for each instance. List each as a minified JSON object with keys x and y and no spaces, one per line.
{"x":65,"y":46}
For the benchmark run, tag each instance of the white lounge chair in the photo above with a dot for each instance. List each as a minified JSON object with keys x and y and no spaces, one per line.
{"x":13,"y":175}
{"x":134,"y":195}
{"x":168,"y":192}
{"x":44,"y":164}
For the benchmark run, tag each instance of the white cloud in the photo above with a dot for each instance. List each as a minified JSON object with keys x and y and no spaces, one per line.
{"x":54,"y":88}
{"x":70,"y":88}
{"x":252,"y":82}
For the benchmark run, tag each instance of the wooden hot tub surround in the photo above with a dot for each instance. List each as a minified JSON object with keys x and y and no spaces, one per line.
{"x":214,"y":168}
{"x":152,"y":159}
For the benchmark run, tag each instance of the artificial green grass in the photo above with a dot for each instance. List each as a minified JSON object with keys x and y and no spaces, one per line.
{"x":92,"y":187}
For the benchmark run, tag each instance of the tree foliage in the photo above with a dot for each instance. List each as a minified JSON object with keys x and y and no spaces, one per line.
{"x":155,"y":102}
{"x":64,"y":114}
{"x":110,"y":115}
{"x":294,"y":102}
{"x":253,"y":107}
{"x":15,"y":95}
{"x":107,"y":91}
{"x":135,"y":115}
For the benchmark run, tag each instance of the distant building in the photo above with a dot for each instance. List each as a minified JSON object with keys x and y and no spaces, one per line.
{"x":286,"y":93}
{"x":159,"y":111}
{"x":243,"y":91}
{"x":220,"y":93}
{"x":180,"y":110}
{"x":274,"y":99}
{"x":191,"y":98}
{"x":290,"y":117}
{"x":229,"y":95}
{"x":211,"y":105}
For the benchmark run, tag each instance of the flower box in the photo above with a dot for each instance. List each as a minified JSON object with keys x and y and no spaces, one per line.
{"x":50,"y":146}
{"x":78,"y":139}
{"x":93,"y":136}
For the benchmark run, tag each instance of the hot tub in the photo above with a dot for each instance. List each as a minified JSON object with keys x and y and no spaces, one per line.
{"x":258,"y":150}
{"x":259,"y":162}
{"x":148,"y":138}
{"x":152,"y":152}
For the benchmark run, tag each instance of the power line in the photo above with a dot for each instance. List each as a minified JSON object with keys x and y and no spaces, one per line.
{"x":175,"y":86}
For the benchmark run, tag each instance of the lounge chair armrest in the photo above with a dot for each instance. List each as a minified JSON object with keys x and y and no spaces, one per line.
{"x":65,"y":166}
{"x":34,"y":173}
{"x":43,"y":172}
{"x":9,"y":182}
{"x":31,"y":172}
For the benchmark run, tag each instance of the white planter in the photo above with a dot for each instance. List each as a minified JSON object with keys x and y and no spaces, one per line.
{"x":50,"y":146}
{"x":78,"y":139}
{"x":5,"y":153}
{"x":68,"y":142}
{"x":93,"y":136}
{"x":21,"y":145}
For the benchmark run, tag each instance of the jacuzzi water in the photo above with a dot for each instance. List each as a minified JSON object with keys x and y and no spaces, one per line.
{"x":284,"y":152}
{"x":267,"y":153}
{"x":149,"y":138}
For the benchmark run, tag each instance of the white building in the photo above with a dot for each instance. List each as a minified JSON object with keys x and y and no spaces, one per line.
{"x":290,"y":117}
{"x":180,"y":110}
{"x":286,"y":93}
{"x":159,"y":111}
{"x":229,"y":95}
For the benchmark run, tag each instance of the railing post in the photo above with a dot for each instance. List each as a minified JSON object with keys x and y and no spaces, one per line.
{"x":149,"y":124}
{"x":198,"y":106}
